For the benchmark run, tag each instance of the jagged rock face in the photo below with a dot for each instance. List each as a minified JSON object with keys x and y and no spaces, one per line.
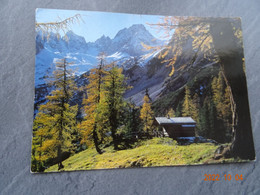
{"x":155,"y":74}
{"x":103,"y":43}
{"x":128,"y":40}
{"x":123,"y":48}
{"x":151,"y":77}
{"x":142,"y":71}
{"x":39,"y":43}
{"x":74,"y":43}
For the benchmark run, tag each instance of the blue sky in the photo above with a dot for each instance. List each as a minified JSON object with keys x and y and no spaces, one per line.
{"x":97,"y":24}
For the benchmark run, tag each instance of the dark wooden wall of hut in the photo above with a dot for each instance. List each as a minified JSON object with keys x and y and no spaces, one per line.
{"x":179,"y":131}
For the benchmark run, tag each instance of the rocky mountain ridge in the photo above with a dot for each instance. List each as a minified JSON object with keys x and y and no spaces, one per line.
{"x":143,"y":71}
{"x":124,"y":48}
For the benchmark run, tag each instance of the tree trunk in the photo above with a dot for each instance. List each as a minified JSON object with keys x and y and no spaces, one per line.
{"x":95,"y":135}
{"x":113,"y":123}
{"x":113,"y":112}
{"x":95,"y":138}
{"x":60,"y":166}
{"x":230,"y":53}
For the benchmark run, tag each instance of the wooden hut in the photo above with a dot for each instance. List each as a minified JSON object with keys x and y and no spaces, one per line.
{"x":177,"y":126}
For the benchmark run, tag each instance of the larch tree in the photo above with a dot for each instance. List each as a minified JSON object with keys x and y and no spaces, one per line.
{"x":221,"y":99}
{"x":171,"y":113}
{"x":93,"y":125}
{"x":114,"y":88}
{"x":189,"y":107}
{"x":40,"y":127}
{"x":55,"y":122}
{"x":220,"y":41}
{"x":147,"y":115}
{"x":45,"y":28}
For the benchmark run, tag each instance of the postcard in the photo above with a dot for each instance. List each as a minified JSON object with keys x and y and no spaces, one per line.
{"x":115,"y":90}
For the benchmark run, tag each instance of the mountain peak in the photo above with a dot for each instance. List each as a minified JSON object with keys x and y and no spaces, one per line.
{"x":103,"y":42}
{"x":131,"y":31}
{"x":74,"y":37}
{"x":70,"y":33}
{"x":137,"y":27}
{"x":129,"y":39}
{"x":102,"y":39}
{"x":125,"y":47}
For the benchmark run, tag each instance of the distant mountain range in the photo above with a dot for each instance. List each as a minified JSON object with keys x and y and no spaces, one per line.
{"x":124,"y":48}
{"x":144,"y":70}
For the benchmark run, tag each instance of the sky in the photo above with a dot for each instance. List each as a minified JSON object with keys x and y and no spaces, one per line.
{"x":96,"y":24}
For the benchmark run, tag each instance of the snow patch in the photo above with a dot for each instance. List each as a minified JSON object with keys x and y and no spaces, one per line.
{"x":116,"y":55}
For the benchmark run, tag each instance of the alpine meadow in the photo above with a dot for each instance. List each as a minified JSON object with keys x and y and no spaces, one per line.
{"x":119,"y":90}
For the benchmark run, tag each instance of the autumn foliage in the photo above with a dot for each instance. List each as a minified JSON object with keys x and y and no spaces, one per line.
{"x":109,"y":119}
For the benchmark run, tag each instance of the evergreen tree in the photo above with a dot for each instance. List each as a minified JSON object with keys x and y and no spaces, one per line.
{"x":218,"y":94}
{"x":178,"y":112}
{"x":196,"y":107}
{"x":195,"y":110}
{"x":130,"y":116}
{"x":204,"y":129}
{"x":146,"y":115}
{"x":212,"y":120}
{"x":93,"y":124}
{"x":227,"y":114}
{"x":55,"y":123}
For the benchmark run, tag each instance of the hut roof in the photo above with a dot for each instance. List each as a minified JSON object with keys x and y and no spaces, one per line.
{"x":175,"y":120}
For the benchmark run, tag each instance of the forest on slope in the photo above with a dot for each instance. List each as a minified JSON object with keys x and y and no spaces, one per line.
{"x":197,"y":83}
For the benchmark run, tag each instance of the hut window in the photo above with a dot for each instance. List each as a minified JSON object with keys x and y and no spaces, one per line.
{"x":188,"y":125}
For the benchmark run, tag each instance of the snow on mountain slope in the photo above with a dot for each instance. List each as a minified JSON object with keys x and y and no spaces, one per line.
{"x":125,"y":49}
{"x":144,"y":59}
{"x":129,"y":40}
{"x":45,"y":61}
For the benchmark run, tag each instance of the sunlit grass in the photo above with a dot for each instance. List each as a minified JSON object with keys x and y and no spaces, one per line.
{"x":155,"y":152}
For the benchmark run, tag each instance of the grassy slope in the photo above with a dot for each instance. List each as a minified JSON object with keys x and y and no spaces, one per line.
{"x":155,"y":152}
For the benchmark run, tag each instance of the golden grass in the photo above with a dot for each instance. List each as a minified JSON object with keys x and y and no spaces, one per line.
{"x":155,"y":152}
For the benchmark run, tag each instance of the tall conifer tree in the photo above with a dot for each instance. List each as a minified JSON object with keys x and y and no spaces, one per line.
{"x":189,"y":106}
{"x":147,"y":115}
{"x":221,"y":99}
{"x":55,"y":123}
{"x":114,"y":88}
{"x":92,"y":124}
